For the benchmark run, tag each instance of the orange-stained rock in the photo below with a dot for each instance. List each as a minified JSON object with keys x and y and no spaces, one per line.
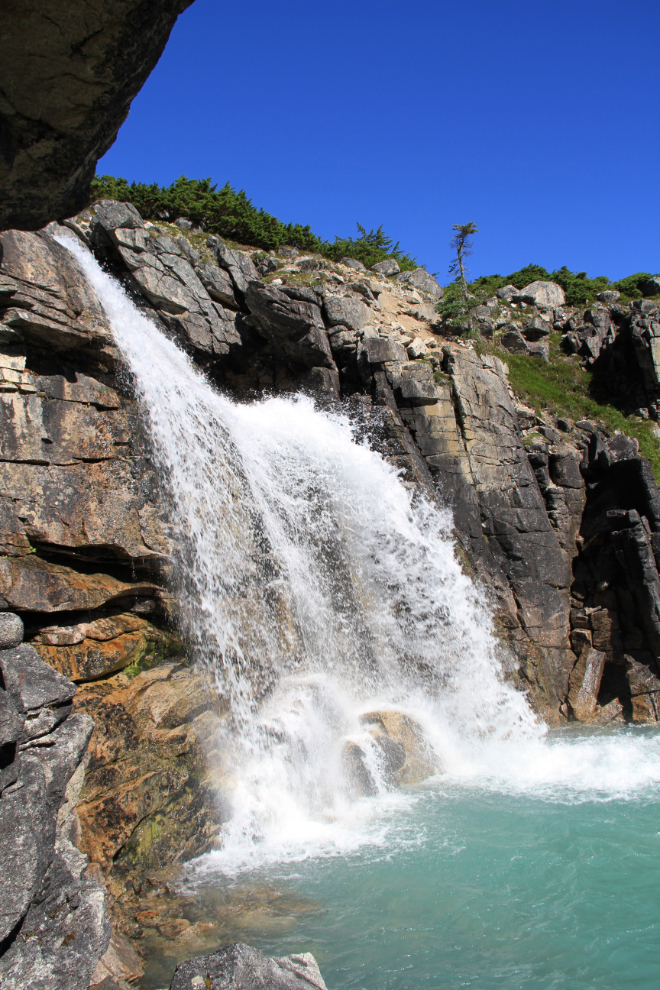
{"x":149,"y":798}
{"x":37,"y":585}
{"x":89,"y":650}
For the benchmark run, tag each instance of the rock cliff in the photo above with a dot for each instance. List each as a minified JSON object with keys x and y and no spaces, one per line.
{"x":559,"y":522}
{"x":68,"y":74}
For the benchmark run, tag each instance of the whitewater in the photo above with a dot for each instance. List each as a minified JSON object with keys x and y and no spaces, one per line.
{"x":315,"y":586}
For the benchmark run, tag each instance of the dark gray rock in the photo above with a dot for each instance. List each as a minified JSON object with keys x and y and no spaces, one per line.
{"x":294,"y":326}
{"x":31,"y":683}
{"x":68,"y":74}
{"x":240,"y":266}
{"x":217,"y":283}
{"x":349,"y":311}
{"x":539,"y":348}
{"x":352,"y":263}
{"x":608,"y":297}
{"x":536,"y":329}
{"x":111,"y":215}
{"x":652,"y":286}
{"x":240,"y":967}
{"x":514,"y":342}
{"x":507,"y":293}
{"x":388,"y":267}
{"x":11,"y":630}
{"x":377,"y":350}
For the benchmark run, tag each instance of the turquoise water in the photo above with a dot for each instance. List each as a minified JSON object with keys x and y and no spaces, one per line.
{"x":467,"y":886}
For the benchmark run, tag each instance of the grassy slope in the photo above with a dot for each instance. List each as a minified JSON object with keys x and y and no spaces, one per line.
{"x":563,"y":388}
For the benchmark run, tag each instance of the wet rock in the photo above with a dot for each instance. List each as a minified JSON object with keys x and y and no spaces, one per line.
{"x":406,"y":758}
{"x":245,"y":968}
{"x":147,"y":801}
{"x":584,"y":683}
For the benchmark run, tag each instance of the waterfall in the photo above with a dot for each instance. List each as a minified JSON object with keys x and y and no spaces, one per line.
{"x":315,"y":587}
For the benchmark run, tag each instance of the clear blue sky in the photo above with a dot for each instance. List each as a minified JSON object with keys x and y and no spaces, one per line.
{"x":538,"y":120}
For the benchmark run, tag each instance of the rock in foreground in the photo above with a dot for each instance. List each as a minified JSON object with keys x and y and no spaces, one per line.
{"x":240,"y":967}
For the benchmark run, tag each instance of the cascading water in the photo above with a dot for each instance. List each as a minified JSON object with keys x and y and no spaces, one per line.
{"x":316,"y":588}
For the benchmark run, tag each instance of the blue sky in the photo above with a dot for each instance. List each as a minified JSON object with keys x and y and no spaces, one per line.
{"x":537,"y":120}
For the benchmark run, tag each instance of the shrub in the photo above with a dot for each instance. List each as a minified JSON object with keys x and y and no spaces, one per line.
{"x":232,"y":215}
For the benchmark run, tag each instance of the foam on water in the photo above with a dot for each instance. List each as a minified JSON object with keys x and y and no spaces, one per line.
{"x":316,"y":588}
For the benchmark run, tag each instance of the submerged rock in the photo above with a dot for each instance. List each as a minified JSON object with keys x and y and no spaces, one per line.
{"x":402,"y":756}
{"x":241,"y":967}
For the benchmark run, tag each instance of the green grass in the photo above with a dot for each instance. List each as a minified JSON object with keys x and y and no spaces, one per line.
{"x":565,"y":389}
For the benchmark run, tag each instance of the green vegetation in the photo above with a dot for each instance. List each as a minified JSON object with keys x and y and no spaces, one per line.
{"x":579,"y":288}
{"x":562,"y":387}
{"x":232,"y":215}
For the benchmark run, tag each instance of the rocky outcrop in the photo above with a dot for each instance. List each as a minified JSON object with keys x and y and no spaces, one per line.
{"x":246,"y":968}
{"x":68,"y":75}
{"x":54,"y":926}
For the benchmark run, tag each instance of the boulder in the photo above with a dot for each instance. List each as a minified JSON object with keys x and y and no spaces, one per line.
{"x":608,"y":297}
{"x":416,"y":349}
{"x":539,"y":348}
{"x":544,"y":295}
{"x":405,"y":756}
{"x":377,"y":350}
{"x":388,"y":267}
{"x":241,"y":967}
{"x":11,"y":630}
{"x":507,"y":293}
{"x":536,"y":329}
{"x":353,"y":263}
{"x":422,"y":280}
{"x":651,"y":287}
{"x":514,"y":342}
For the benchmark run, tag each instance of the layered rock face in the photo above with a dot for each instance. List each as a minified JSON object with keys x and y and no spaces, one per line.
{"x":68,"y":74}
{"x":54,"y":926}
{"x":559,"y":527}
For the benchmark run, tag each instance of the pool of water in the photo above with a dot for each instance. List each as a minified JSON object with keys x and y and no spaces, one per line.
{"x":469,"y":884}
